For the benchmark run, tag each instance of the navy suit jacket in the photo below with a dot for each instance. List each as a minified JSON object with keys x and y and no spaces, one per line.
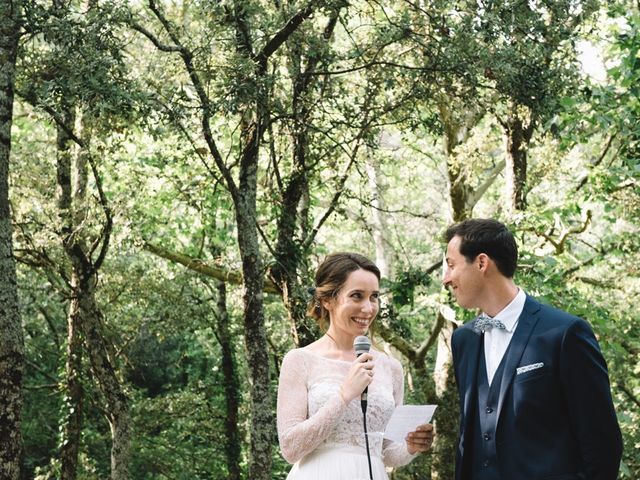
{"x":556,"y":422}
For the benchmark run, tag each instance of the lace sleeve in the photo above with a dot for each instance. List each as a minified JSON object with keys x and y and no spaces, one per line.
{"x":396,"y":454}
{"x":297,"y":434}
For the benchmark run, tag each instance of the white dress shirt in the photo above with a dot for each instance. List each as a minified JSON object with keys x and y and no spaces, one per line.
{"x":496,"y":341}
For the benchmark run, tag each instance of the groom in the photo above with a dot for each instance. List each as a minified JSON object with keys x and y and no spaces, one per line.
{"x":534,"y":390}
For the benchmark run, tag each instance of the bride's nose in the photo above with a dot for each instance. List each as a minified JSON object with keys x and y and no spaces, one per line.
{"x":368,"y":306}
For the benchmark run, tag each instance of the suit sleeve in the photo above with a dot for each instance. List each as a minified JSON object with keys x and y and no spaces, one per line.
{"x":586,"y":387}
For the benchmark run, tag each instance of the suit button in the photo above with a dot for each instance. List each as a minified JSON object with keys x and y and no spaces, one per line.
{"x":489,"y":410}
{"x":485,"y":463}
{"x":486,"y":436}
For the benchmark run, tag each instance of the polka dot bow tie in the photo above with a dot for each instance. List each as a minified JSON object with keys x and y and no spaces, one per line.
{"x":485,"y":322}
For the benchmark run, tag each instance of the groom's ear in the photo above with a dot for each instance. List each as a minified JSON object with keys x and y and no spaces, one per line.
{"x":483,"y":261}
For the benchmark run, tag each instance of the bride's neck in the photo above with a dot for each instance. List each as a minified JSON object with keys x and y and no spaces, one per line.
{"x":340,"y":342}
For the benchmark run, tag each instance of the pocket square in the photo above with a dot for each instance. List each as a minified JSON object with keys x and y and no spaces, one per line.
{"x":528,"y":368}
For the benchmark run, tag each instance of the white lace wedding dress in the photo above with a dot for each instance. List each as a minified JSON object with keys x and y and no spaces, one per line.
{"x":324,"y":437}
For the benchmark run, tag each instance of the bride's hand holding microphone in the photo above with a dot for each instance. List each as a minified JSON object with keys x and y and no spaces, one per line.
{"x":359,"y":377}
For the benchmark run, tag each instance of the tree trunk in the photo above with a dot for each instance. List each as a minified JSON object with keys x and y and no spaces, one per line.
{"x":289,"y":257}
{"x":254,"y":121}
{"x":518,"y":133}
{"x":84,"y":313}
{"x":447,"y":395}
{"x":262,"y":421}
{"x":293,"y":222}
{"x":384,"y":255}
{"x":458,"y":122}
{"x":231,"y":385}
{"x":71,"y":427}
{"x":103,"y":371}
{"x":73,"y":403}
{"x":11,"y":337}
{"x":457,"y":128}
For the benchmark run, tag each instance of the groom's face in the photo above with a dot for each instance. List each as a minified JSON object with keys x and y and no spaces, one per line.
{"x":462,"y":277}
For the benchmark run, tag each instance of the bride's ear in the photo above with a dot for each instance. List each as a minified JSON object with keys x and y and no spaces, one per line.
{"x":328,"y":303}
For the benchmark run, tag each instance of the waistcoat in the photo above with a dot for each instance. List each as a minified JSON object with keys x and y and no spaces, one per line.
{"x":484,"y":452}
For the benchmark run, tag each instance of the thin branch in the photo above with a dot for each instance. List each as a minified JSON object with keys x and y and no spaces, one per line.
{"x":333,"y":204}
{"x":629,"y":394}
{"x":577,"y":267}
{"x":369,"y":204}
{"x":374,"y":63}
{"x":108,"y":225}
{"x":159,"y":45}
{"x":194,"y":146}
{"x":50,"y":322}
{"x":106,"y":209}
{"x":265,"y":240}
{"x":595,"y":282}
{"x":598,"y":161}
{"x":41,"y":370}
{"x":341,"y":183}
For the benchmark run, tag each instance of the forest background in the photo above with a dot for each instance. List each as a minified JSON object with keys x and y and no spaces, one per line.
{"x":172,"y":173}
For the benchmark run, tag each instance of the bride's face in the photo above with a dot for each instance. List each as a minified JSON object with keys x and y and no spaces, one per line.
{"x":354,"y":308}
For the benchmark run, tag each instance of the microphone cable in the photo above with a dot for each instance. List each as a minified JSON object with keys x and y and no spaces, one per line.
{"x":363,"y":404}
{"x":362,"y":345}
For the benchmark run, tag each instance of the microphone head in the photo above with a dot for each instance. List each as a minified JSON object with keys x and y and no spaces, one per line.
{"x":361,"y":345}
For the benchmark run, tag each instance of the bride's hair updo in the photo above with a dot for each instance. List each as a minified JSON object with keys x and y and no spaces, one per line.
{"x":331,"y":276}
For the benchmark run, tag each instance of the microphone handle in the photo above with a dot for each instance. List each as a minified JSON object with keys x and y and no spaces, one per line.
{"x":363,"y":399}
{"x":365,"y":392}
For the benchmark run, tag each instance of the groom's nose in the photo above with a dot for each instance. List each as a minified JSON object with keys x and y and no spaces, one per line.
{"x":446,"y":278}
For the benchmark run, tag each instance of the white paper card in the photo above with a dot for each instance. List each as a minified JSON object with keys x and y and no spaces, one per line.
{"x":405,"y":419}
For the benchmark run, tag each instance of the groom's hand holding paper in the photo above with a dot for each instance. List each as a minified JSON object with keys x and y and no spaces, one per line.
{"x":405,"y":419}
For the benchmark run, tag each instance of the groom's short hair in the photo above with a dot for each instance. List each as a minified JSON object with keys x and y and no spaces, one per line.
{"x":488,"y":236}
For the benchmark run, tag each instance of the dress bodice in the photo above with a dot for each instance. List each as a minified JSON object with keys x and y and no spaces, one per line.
{"x":312,"y":414}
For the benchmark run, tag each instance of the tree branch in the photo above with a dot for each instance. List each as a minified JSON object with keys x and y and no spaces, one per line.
{"x":477,"y":194}
{"x":281,"y":36}
{"x":205,"y":104}
{"x":107,"y":227}
{"x":559,"y":245}
{"x":201,"y":267}
{"x":243,"y":37}
{"x":431,"y":340}
{"x":399,"y":343}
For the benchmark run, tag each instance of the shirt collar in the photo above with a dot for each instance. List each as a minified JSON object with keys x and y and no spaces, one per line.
{"x":509,"y":315}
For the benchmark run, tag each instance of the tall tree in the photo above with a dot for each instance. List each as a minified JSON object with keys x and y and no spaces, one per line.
{"x":251,"y":104}
{"x":231,"y":383}
{"x":11,"y":337}
{"x":57,"y":83}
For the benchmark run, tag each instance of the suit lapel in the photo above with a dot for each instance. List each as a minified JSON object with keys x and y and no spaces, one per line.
{"x":526,"y":323}
{"x":472,"y":349}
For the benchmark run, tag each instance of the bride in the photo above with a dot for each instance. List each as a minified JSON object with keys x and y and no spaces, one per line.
{"x":320,"y":421}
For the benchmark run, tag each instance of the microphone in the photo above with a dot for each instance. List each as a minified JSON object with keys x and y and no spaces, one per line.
{"x":361,"y":345}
